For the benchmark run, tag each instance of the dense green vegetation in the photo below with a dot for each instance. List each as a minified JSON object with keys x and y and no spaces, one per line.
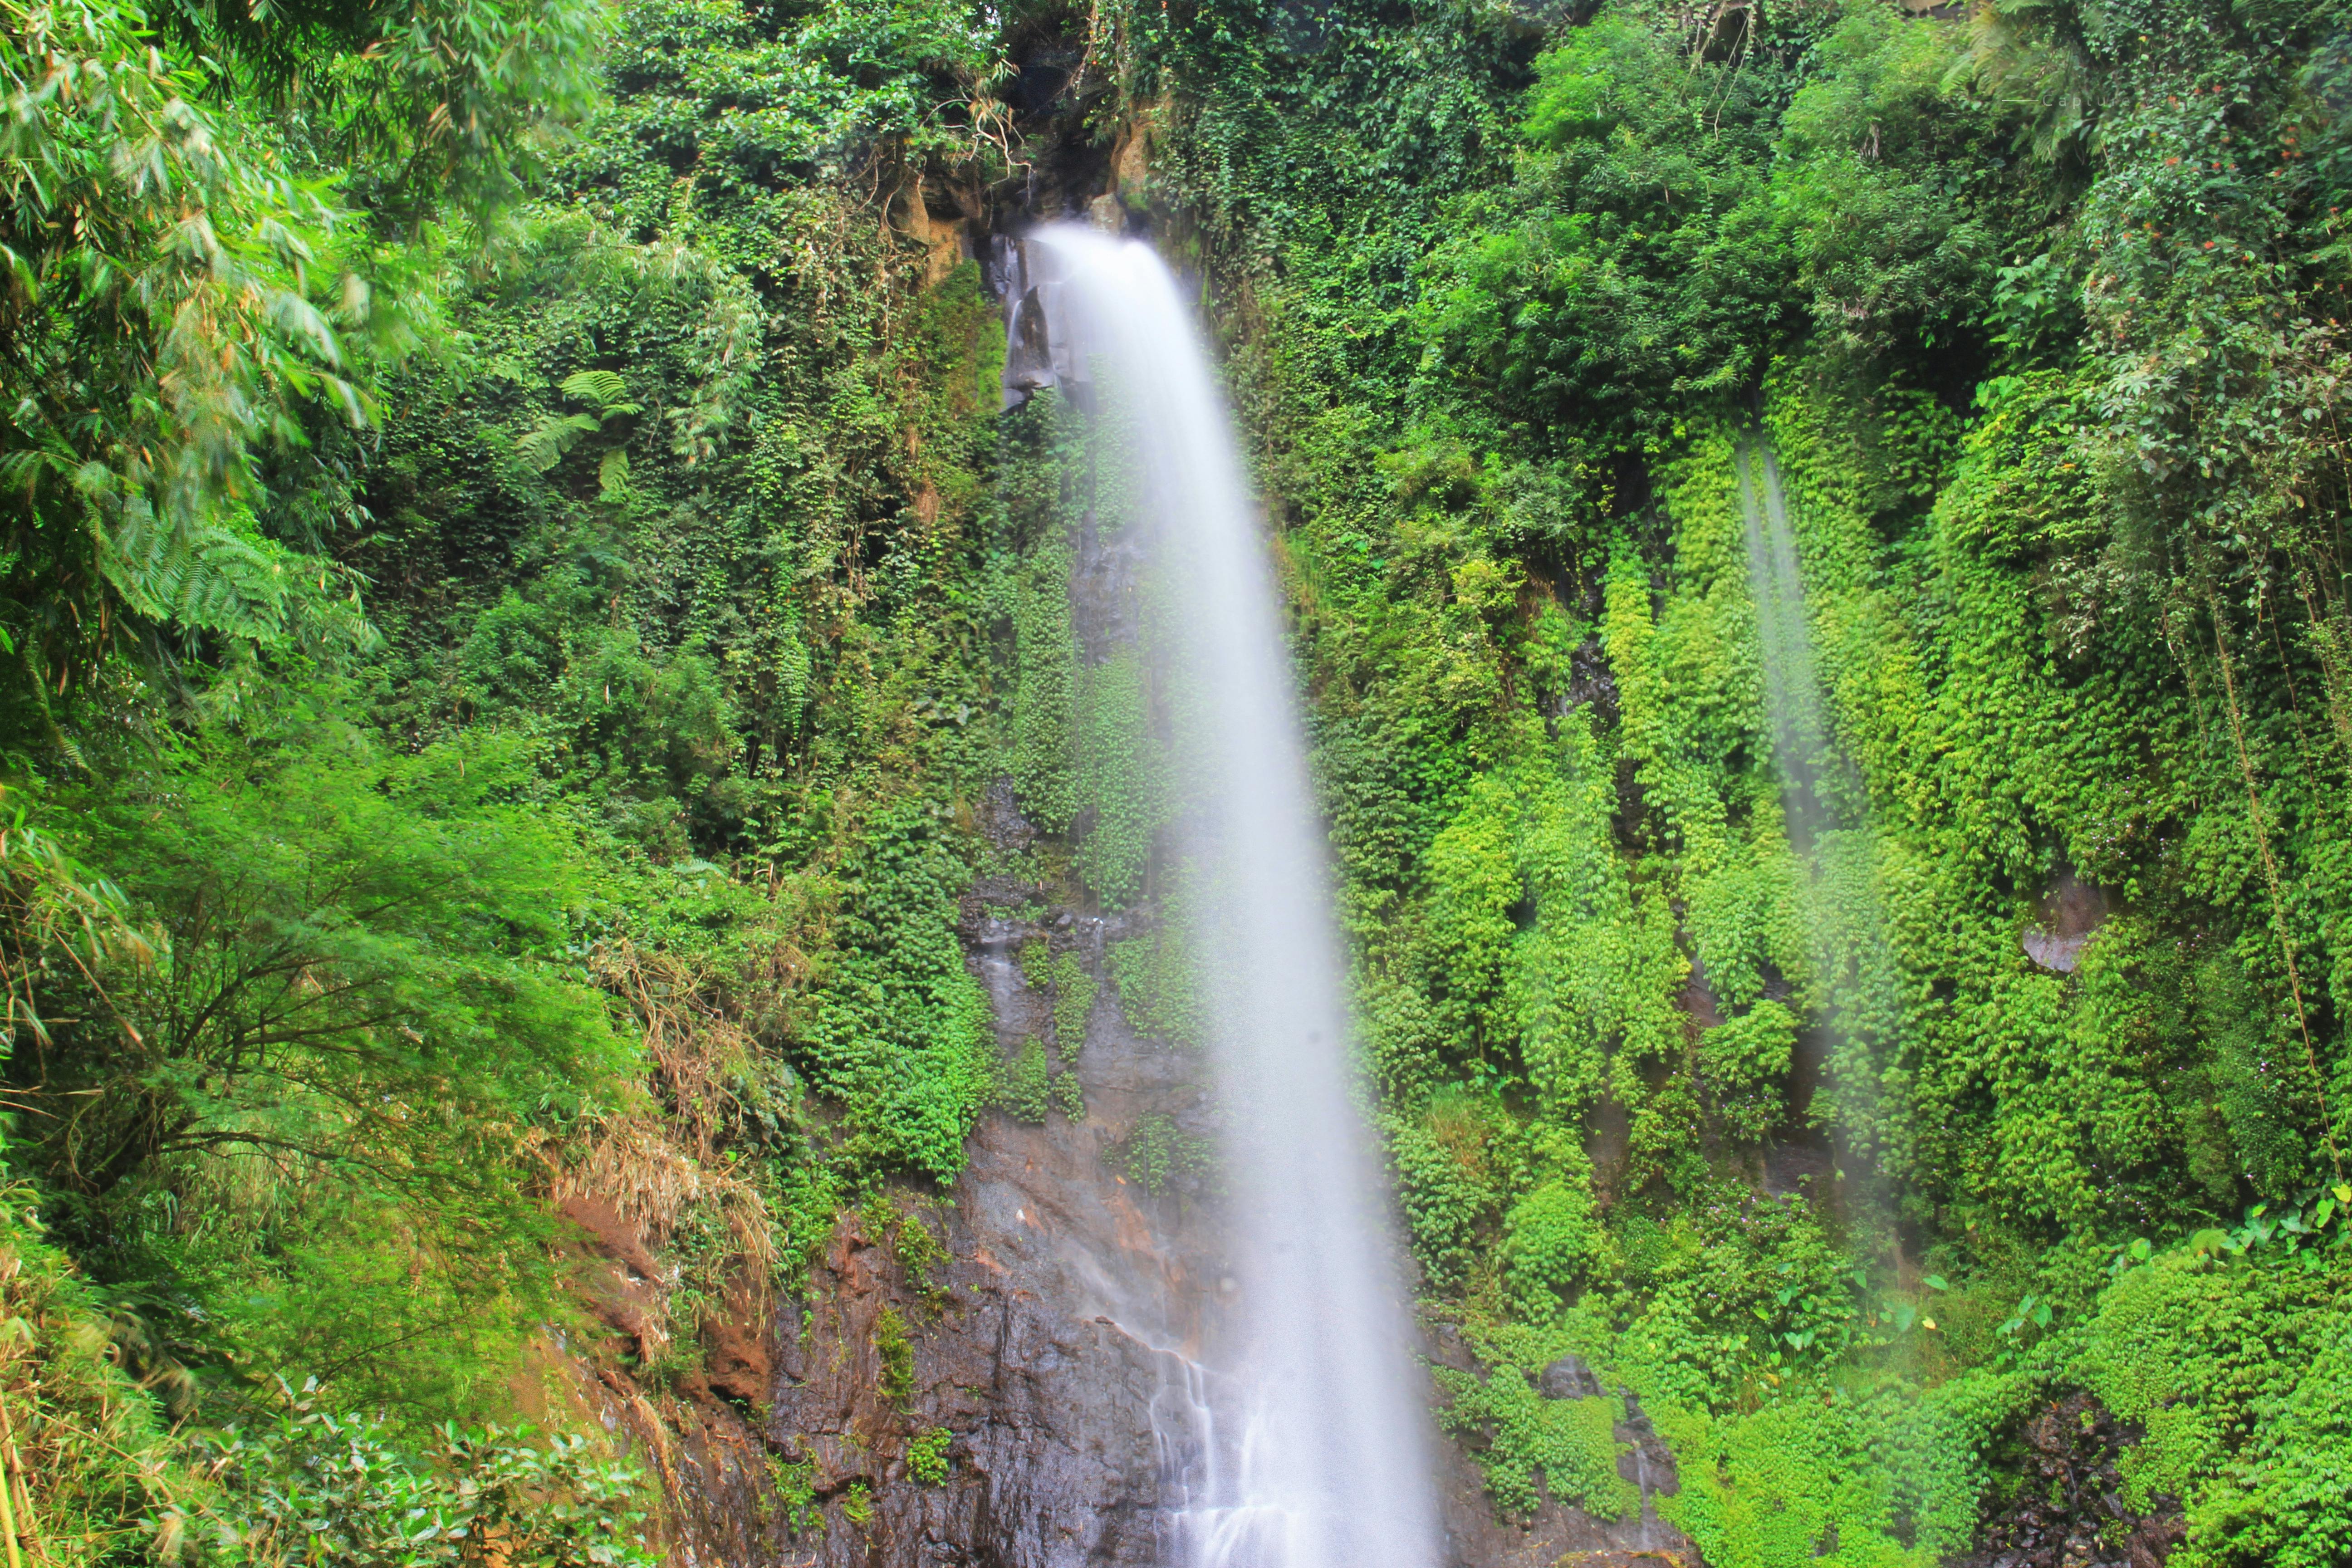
{"x":517,"y":588}
{"x":487,"y":633}
{"x":2034,"y":312}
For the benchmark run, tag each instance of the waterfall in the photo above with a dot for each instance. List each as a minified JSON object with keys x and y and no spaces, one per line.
{"x":1792,"y":692}
{"x":1834,"y":1082}
{"x":1297,"y":1438}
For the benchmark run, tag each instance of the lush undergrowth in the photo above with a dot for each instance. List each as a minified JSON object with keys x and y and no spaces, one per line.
{"x":517,"y":591}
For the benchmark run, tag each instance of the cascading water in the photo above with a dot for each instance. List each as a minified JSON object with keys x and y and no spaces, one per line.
{"x":1829,"y":829}
{"x":1295,"y":1436}
{"x":1793,"y":695}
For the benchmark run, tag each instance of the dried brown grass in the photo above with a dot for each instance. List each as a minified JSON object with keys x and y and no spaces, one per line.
{"x":657,"y":1160}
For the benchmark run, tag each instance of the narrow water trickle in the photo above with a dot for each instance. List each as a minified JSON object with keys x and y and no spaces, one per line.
{"x":1792,"y":694}
{"x":1830,"y":831}
{"x":1291,"y":1429}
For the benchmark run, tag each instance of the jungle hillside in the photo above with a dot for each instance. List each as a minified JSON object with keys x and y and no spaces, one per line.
{"x":543,"y":636}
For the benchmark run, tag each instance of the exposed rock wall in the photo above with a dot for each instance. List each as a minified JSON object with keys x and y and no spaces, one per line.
{"x":2066,"y":1507}
{"x":1032,"y":1344}
{"x":1035,"y":1346}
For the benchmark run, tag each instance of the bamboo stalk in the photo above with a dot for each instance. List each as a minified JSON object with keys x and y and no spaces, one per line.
{"x":2270,"y":871}
{"x":8,"y":1488}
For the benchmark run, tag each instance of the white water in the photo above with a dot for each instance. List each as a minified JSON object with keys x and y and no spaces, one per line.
{"x":1298,"y":1441}
{"x":1791,"y":688}
{"x":1829,"y":828}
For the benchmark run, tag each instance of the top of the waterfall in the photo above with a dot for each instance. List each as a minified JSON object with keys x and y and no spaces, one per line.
{"x":1048,"y":339}
{"x":1042,"y":340}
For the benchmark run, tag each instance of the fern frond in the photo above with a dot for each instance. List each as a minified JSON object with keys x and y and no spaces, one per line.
{"x":555,"y":434}
{"x":201,"y":576}
{"x":604,"y":388}
{"x":21,"y":469}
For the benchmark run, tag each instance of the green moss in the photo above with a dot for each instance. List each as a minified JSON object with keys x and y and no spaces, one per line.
{"x":927,"y":1456}
{"x":794,"y":1489}
{"x":1743,"y":1062}
{"x":894,"y":1353}
{"x":1475,"y":886}
{"x":1157,"y":985}
{"x":1036,"y":964}
{"x":1551,"y":1239}
{"x":1786,"y":1486}
{"x":922,"y":1259}
{"x":1118,"y":769}
{"x":1156,"y":1152}
{"x":900,"y":1034}
{"x":2230,"y":1365}
{"x":1073,"y":1004}
{"x":1025,"y":1082}
{"x":1043,"y":764}
{"x":1570,"y":1445}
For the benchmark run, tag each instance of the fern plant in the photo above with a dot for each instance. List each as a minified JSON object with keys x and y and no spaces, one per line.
{"x":556,"y":433}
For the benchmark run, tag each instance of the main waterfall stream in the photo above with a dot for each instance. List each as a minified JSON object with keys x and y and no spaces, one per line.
{"x":1292,"y":1431}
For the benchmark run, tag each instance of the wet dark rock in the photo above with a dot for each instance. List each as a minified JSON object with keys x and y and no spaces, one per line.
{"x":1025,"y":1345}
{"x":1591,"y":683}
{"x":2061,"y":1503}
{"x":1445,"y":1347}
{"x":2065,"y":919}
{"x":1567,"y":1378}
{"x":1609,"y":1144}
{"x":1052,"y":1462}
{"x":1649,"y":1463}
{"x":1000,"y":820}
{"x":1105,"y":613}
{"x":735,"y":1359}
{"x":1028,"y":351}
{"x":1698,"y":1000}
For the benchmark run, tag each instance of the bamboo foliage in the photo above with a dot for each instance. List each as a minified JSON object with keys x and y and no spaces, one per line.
{"x":174,"y":299}
{"x":190,"y":297}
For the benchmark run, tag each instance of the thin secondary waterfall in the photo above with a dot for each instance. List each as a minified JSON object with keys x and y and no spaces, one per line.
{"x":1792,"y":693}
{"x":1830,"y":831}
{"x":1295,"y":1435}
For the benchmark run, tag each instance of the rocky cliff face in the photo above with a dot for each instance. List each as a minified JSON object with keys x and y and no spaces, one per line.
{"x":1052,"y":1343}
{"x":999,"y":1376}
{"x":1043,"y":1341}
